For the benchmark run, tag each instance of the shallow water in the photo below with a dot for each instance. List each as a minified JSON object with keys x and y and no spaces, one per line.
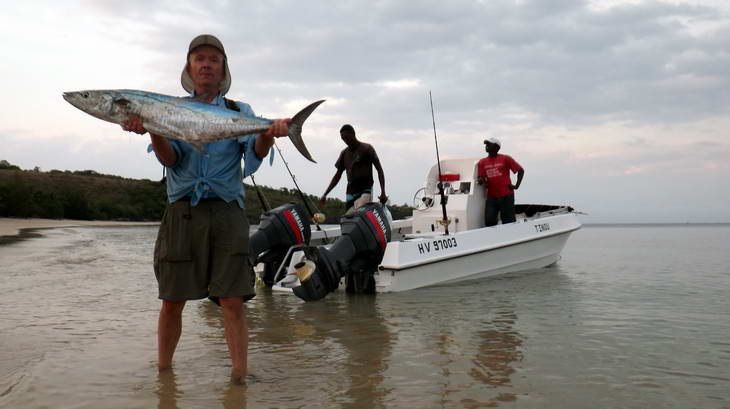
{"x":631,"y":317}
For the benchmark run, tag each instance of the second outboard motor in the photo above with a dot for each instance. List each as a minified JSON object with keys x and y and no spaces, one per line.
{"x":279,"y":229}
{"x":355,"y":255}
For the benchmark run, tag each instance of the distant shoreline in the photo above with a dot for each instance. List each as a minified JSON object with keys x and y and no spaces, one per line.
{"x":658,"y":224}
{"x":13,"y":230}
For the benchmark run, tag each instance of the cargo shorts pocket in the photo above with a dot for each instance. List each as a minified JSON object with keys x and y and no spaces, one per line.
{"x":174,"y":240}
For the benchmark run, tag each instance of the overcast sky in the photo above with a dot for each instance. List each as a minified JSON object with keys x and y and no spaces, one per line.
{"x":617,"y":108}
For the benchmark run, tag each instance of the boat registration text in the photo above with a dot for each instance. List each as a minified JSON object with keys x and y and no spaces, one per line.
{"x":437,"y":245}
{"x":542,"y":227}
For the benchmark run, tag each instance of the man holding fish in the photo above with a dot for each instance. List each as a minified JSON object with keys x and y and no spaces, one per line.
{"x":202,"y":245}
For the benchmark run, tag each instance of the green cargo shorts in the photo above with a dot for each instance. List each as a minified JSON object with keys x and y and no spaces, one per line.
{"x":202,"y":251}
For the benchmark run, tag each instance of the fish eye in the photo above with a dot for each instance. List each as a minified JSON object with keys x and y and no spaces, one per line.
{"x":85,"y":94}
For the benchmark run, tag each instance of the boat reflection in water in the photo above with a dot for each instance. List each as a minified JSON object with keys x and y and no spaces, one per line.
{"x":497,"y":350}
{"x":356,"y":351}
{"x":460,"y":357}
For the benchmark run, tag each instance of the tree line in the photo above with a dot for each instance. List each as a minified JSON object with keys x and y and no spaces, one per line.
{"x":89,"y":195}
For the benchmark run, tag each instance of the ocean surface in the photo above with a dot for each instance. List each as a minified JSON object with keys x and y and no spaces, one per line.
{"x":630,"y":317}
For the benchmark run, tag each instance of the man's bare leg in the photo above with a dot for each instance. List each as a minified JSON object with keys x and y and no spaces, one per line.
{"x":234,"y":320}
{"x":169,"y":328}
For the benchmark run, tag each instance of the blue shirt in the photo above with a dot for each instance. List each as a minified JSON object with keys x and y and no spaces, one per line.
{"x":219,"y":174}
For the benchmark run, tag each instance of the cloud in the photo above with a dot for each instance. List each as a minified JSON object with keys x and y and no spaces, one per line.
{"x":399,"y":84}
{"x":564,"y":61}
{"x":583,"y":90}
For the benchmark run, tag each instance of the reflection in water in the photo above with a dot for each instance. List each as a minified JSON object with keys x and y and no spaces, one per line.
{"x":341,"y":346}
{"x":213,"y":333}
{"x":486,"y":364}
{"x":352,"y":340}
{"x":367,"y":353}
{"x":497,"y":350}
{"x":231,"y":396}
{"x":611,"y":326}
{"x":341,"y":351}
{"x":167,"y":390}
{"x":234,"y":396}
{"x":499,"y":347}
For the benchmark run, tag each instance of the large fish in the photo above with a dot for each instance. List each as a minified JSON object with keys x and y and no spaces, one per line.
{"x":185,"y":119}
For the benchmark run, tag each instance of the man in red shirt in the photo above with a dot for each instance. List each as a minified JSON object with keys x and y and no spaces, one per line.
{"x":493,"y":173}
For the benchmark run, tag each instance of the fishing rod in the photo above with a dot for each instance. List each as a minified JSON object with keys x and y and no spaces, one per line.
{"x":444,"y":220}
{"x":315,"y":217}
{"x":262,"y":199}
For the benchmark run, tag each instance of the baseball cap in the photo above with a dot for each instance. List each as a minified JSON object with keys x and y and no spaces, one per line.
{"x":494,"y":141}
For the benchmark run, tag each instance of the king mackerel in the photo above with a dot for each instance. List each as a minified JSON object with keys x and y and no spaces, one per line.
{"x":185,"y":119}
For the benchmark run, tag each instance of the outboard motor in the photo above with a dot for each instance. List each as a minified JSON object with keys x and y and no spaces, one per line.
{"x":279,"y":229}
{"x":355,"y":255}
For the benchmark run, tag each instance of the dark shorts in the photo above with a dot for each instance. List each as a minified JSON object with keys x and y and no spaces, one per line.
{"x":202,"y":251}
{"x":352,"y":198}
{"x":504,"y":207}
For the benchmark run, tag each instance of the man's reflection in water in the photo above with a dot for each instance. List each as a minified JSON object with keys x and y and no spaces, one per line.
{"x":166,"y":390}
{"x":335,"y":344}
{"x":234,"y":395}
{"x":498,"y":348}
{"x":368,"y":349}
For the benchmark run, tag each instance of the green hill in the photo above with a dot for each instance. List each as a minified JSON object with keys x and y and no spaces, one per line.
{"x":88,"y":195}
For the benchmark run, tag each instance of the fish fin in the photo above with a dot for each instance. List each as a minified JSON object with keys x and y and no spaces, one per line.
{"x":295,"y":128}
{"x":122,"y":103}
{"x":271,"y":156}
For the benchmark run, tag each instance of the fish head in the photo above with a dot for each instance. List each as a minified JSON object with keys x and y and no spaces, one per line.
{"x":110,"y":106}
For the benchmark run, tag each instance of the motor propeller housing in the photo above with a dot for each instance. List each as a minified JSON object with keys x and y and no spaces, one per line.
{"x":278,"y":230}
{"x":355,"y":255}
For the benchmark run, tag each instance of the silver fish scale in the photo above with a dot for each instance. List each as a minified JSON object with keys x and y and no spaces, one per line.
{"x":191,"y":126}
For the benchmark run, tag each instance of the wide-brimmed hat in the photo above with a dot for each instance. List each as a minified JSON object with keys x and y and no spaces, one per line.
{"x":206,"y":39}
{"x":493,"y":141}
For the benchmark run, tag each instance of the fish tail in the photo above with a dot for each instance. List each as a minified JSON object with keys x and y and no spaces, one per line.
{"x":295,"y":128}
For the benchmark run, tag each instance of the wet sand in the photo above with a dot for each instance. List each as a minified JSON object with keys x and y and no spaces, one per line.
{"x":12,"y":229}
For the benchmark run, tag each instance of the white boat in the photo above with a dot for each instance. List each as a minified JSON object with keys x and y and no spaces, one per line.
{"x":421,"y":253}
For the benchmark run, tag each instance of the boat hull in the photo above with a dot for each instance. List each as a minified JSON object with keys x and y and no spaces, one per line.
{"x":426,"y":261}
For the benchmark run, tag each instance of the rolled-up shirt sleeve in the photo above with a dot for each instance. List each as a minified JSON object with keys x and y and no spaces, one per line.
{"x":175,"y":147}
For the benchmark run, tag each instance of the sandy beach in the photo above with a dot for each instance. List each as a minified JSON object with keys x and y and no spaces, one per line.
{"x":11,"y":229}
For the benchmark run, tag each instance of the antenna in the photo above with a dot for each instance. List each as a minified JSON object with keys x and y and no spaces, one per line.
{"x":444,"y":220}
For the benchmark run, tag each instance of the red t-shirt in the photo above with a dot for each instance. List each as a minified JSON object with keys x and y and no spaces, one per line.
{"x":496,"y":170}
